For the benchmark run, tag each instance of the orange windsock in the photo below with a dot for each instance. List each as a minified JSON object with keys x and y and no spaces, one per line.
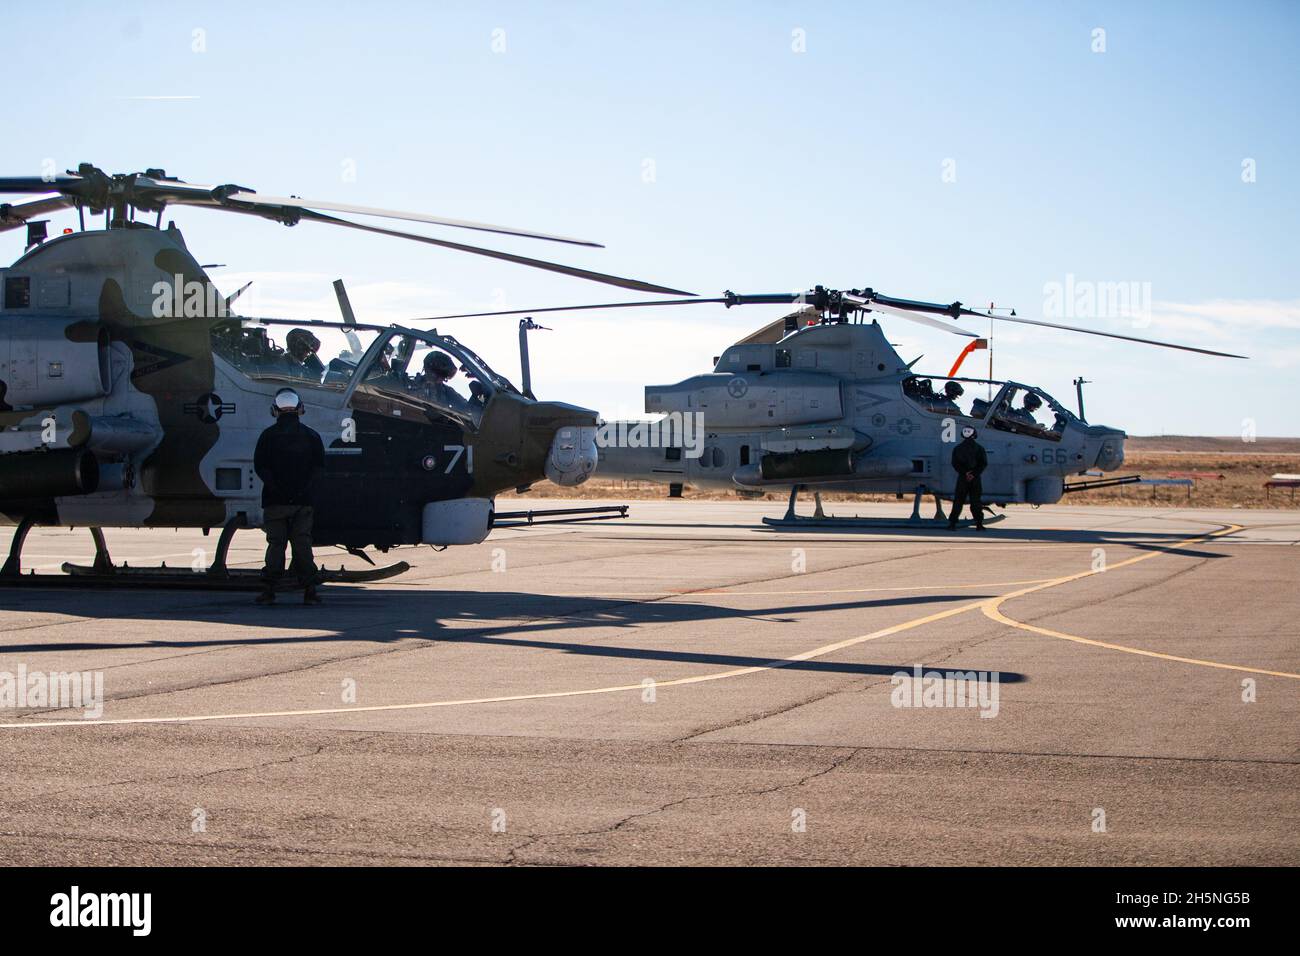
{"x":971,"y":347}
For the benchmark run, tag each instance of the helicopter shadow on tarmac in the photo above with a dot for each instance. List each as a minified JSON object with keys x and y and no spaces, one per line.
{"x":358,"y":615}
{"x":1142,"y":540}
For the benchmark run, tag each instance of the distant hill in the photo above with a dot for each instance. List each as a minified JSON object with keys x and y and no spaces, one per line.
{"x":1204,"y":444}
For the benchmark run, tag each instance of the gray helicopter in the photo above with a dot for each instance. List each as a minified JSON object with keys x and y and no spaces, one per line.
{"x":820,"y":400}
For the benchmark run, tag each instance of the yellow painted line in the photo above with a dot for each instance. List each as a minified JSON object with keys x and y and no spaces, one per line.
{"x":992,"y":610}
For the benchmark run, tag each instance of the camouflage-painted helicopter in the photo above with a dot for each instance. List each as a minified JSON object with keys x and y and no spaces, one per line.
{"x":131,"y":396}
{"x":820,"y":399}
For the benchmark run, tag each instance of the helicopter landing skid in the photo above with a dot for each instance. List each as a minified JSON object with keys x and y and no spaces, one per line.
{"x":238,"y":579}
{"x":217,"y":577}
{"x":819,"y":519}
{"x":182,"y":579}
{"x":831,"y":521}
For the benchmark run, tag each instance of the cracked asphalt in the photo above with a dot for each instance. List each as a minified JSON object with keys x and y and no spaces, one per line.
{"x":681,"y":687}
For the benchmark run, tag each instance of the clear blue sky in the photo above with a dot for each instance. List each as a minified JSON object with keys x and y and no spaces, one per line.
{"x":773,"y":169}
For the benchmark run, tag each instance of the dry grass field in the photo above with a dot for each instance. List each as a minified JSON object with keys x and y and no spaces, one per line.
{"x":1244,"y":467}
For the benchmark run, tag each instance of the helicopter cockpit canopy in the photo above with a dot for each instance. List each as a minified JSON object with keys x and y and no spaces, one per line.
{"x":1029,"y":411}
{"x":399,"y":372}
{"x":1006,"y":406}
{"x":944,"y":396}
{"x":431,"y":374}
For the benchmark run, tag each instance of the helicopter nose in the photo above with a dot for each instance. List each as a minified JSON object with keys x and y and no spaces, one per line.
{"x":1110,"y":449}
{"x":573,"y":455}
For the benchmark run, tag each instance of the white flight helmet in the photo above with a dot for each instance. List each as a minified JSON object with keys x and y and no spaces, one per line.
{"x":286,"y":400}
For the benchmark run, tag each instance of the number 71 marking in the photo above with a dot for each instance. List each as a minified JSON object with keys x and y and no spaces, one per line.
{"x":467,"y":451}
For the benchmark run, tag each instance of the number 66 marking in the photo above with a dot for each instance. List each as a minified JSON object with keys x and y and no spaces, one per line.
{"x":1055,"y":456}
{"x":467,"y":451}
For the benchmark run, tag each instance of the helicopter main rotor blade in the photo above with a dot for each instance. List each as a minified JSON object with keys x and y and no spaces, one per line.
{"x":151,"y":191}
{"x":37,"y":184}
{"x":219,"y":198}
{"x":956,"y":310}
{"x":96,"y":190}
{"x":873,"y":304}
{"x":1109,"y":335}
{"x":769,"y":334}
{"x":154,"y":190}
{"x":588,"y":274}
{"x":910,"y":309}
{"x":573,"y":308}
{"x":933,"y":308}
{"x":16,"y":216}
{"x":299,"y":203}
{"x":728,"y":299}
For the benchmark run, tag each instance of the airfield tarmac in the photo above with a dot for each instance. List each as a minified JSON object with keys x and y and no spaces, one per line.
{"x":682,"y":686}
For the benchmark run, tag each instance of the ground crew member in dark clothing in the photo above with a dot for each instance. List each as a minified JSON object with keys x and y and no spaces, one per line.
{"x":969,"y":461}
{"x":289,"y":456}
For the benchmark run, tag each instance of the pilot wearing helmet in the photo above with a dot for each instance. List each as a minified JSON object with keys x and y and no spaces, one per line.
{"x":946,"y":403}
{"x":288,"y":458}
{"x":1025,"y":414}
{"x":439,"y":369}
{"x":969,"y":461}
{"x":302,"y":347}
